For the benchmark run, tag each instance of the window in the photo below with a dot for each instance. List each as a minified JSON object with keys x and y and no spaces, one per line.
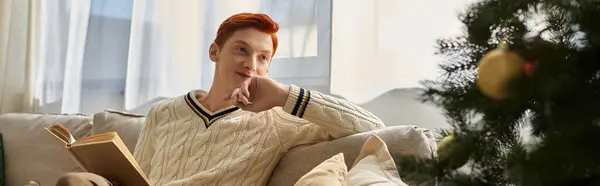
{"x":301,"y":59}
{"x":298,"y":26}
{"x":303,"y":54}
{"x":106,"y":55}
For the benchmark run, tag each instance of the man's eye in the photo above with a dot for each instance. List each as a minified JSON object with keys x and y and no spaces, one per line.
{"x":242,"y":50}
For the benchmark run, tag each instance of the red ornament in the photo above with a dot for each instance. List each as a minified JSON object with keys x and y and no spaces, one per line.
{"x":530,"y":68}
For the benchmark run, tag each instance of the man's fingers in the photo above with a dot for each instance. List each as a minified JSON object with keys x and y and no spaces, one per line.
{"x":234,"y":96}
{"x":237,"y":98}
{"x":245,"y":91}
{"x":243,"y":99}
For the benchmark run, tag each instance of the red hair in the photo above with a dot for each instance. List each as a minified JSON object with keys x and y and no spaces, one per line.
{"x":240,"y":21}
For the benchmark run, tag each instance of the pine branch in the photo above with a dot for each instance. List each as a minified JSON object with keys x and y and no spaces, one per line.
{"x":560,"y":100}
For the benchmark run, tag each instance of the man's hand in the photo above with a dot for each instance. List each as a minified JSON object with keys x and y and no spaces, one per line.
{"x":259,"y":94}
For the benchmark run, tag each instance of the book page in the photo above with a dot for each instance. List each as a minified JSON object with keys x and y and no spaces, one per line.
{"x":64,"y":144}
{"x":109,"y":136}
{"x":61,"y":133}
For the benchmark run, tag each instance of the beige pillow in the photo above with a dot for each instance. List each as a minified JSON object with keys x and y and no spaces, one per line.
{"x":127,"y":125}
{"x":331,"y":172}
{"x":31,"y":153}
{"x":374,"y":166}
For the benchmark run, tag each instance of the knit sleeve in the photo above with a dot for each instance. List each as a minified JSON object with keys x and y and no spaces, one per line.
{"x":144,"y":148}
{"x":327,"y":116}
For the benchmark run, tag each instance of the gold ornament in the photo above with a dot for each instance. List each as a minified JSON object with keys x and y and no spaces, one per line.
{"x":497,"y":69}
{"x":450,"y":156}
{"x":444,"y":142}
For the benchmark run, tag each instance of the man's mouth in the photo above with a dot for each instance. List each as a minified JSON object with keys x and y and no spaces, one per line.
{"x":244,"y":75}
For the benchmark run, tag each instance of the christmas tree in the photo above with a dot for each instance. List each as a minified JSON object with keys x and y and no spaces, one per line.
{"x":507,"y":78}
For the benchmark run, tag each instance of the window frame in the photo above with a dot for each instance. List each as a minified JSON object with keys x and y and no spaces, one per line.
{"x":310,"y":72}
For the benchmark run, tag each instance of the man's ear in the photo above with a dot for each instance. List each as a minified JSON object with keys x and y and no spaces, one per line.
{"x":213,"y":52}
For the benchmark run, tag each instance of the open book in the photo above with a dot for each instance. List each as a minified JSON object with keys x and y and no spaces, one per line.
{"x":102,"y":154}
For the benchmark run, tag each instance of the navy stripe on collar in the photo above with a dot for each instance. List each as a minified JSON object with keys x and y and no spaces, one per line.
{"x":208,"y":118}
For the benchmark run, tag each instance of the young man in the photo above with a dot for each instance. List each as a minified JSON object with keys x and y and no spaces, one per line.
{"x":235,"y":133}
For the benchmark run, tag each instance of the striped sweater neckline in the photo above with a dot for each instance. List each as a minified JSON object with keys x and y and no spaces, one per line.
{"x":206,"y":115}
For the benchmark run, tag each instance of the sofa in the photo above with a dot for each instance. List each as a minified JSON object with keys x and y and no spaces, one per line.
{"x":32,"y":154}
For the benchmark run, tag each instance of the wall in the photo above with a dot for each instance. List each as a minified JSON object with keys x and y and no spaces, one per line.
{"x":402,"y":107}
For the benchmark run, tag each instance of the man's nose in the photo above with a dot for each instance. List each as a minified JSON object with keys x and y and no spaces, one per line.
{"x":250,"y":64}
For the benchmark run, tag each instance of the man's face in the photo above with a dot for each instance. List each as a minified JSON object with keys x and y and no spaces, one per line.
{"x":245,"y":54}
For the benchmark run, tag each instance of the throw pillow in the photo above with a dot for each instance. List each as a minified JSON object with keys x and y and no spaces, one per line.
{"x":127,"y":125}
{"x":374,"y":165}
{"x":46,"y":160}
{"x":331,"y":172}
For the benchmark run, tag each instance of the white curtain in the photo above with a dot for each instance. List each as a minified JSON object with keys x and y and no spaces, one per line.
{"x":18,"y":23}
{"x":381,"y":45}
{"x":84,"y":56}
{"x":164,"y":49}
{"x":63,"y":35}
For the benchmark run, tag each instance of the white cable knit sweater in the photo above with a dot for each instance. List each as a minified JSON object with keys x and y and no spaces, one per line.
{"x":183,"y":143}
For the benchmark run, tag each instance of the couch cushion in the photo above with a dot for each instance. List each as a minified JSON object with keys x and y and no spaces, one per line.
{"x":127,"y":125}
{"x":401,"y":140}
{"x":31,"y":153}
